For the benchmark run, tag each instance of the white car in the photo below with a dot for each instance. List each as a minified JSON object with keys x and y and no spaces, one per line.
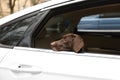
{"x":25,"y":37}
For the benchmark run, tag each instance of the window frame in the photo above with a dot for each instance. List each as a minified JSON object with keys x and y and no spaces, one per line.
{"x":56,"y":11}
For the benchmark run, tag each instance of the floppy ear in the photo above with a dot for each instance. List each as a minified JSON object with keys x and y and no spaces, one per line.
{"x":68,"y":37}
{"x":78,"y":43}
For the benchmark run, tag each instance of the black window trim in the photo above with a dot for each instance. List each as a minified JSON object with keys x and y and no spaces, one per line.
{"x":6,"y":46}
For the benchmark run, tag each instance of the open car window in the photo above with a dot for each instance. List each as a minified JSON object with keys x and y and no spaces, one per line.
{"x":98,"y":26}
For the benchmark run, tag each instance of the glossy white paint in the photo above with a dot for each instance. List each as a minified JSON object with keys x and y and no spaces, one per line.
{"x":64,"y":64}
{"x":3,"y":53}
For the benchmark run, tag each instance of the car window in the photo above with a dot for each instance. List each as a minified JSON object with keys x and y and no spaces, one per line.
{"x":98,"y":26}
{"x":12,"y":33}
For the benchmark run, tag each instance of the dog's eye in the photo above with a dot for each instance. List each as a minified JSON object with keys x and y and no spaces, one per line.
{"x":60,"y":46}
{"x":63,"y":40}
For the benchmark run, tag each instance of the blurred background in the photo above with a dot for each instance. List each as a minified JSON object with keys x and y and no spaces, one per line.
{"x":10,"y":6}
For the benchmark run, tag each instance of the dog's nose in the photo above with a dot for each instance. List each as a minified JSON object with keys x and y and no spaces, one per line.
{"x":53,"y":44}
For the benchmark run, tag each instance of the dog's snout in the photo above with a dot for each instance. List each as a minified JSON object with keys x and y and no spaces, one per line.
{"x":53,"y":44}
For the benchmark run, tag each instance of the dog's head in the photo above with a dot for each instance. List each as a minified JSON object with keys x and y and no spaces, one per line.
{"x":68,"y":42}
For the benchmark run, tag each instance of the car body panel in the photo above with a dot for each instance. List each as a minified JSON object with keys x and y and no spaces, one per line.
{"x":3,"y":53}
{"x":23,"y":62}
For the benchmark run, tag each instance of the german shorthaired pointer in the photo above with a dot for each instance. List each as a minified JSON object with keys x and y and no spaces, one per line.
{"x":69,"y":42}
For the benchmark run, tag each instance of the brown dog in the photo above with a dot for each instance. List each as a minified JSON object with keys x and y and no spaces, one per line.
{"x":68,"y":42}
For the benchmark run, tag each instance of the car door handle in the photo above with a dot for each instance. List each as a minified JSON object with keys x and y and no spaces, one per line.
{"x":27,"y":68}
{"x":23,"y":68}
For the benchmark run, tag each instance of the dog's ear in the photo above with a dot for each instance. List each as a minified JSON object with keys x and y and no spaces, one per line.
{"x":78,"y":43}
{"x":68,"y":37}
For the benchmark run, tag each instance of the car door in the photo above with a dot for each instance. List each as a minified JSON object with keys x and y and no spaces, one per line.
{"x":3,"y":52}
{"x":13,"y":33}
{"x":40,"y":64}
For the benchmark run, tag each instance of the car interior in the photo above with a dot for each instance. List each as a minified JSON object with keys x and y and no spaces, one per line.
{"x":97,"y":42}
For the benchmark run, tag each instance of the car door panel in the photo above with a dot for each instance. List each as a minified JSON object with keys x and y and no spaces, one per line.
{"x":40,"y":64}
{"x":3,"y":52}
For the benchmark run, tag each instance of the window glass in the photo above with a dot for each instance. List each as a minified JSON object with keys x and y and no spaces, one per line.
{"x":11,"y":34}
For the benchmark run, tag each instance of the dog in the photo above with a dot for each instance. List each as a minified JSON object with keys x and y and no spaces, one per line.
{"x":68,"y":42}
